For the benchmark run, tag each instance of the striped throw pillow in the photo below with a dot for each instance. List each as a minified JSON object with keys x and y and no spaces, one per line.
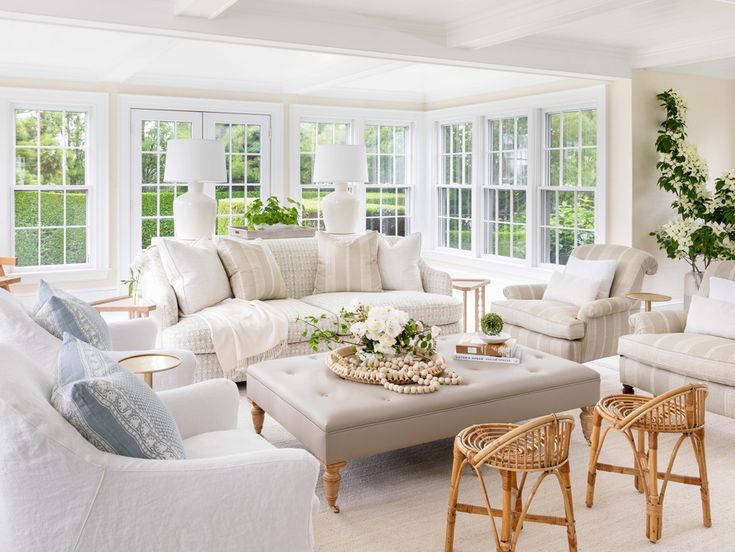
{"x":347,"y":264}
{"x":252,"y":269}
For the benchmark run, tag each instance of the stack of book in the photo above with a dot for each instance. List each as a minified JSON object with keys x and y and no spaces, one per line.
{"x":472,"y":348}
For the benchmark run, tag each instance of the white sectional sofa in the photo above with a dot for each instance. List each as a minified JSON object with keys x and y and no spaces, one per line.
{"x":297,"y":260}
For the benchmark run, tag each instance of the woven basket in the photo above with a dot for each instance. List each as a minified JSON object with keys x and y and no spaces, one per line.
{"x":338,"y":362}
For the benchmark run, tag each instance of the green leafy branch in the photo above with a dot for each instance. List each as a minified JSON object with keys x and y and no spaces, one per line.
{"x":272,"y":212}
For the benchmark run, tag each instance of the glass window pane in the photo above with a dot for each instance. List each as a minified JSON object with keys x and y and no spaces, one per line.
{"x":51,"y":163}
{"x":554,"y":129}
{"x":468,"y":137}
{"x":589,"y":167}
{"x":371,"y":139}
{"x":75,"y":167}
{"x":149,"y":136}
{"x":454,"y":233}
{"x":456,"y":169}
{"x":495,"y":169}
{"x":372,"y":202}
{"x":571,"y":129}
{"x":149,"y":168}
{"x":183,"y":130}
{"x":489,"y":237}
{"x":306,"y":132}
{"x":166,"y":198}
{"x":566,"y":245}
{"x":467,"y":235}
{"x":52,"y":246}
{"x":306,"y":168}
{"x":549,"y":203}
{"x":490,"y":202}
{"x":75,"y":129}
{"x":386,"y":169}
{"x":148,"y":232}
{"x":566,"y":210}
{"x":325,"y":133}
{"x":76,"y":245}
{"x":237,"y":164}
{"x":508,"y":139}
{"x":442,"y":202}
{"x":457,"y":138}
{"x":401,"y":227}
{"x":446,"y":133}
{"x":26,"y":247}
{"x":453,"y":202}
{"x":495,"y":135}
{"x":522,"y":130}
{"x":26,"y":167}
{"x":571,"y":167}
{"x":388,"y":226}
{"x":508,"y":168}
{"x":52,"y":208}
{"x":253,"y":138}
{"x":372,"y":164}
{"x":310,"y":199}
{"x":586,"y":210}
{"x":467,"y":170}
{"x":26,"y":127}
{"x":222,"y":133}
{"x":519,"y":241}
{"x":386,"y":139}
{"x":388,"y":203}
{"x":400,"y":171}
{"x":519,"y":206}
{"x":341,"y":133}
{"x":167,"y":227}
{"x":149,"y":201}
{"x":253,"y":169}
{"x":76,"y":208}
{"x":589,"y":127}
{"x":466,"y":203}
{"x":237,"y":138}
{"x":504,"y":205}
{"x":166,"y":131}
{"x":401,"y":202}
{"x":554,"y":168}
{"x":52,"y":133}
{"x":400,"y":140}
{"x":503,"y":239}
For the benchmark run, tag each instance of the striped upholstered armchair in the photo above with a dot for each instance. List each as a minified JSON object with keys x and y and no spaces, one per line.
{"x":658,"y":355}
{"x":568,"y":331}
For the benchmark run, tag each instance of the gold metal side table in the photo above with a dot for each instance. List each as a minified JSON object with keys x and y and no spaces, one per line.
{"x":648,"y":298}
{"x":149,"y":364}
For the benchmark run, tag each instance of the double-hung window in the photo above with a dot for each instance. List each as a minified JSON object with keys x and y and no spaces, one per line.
{"x":506,"y":187}
{"x":311,"y":134}
{"x":454,"y":189}
{"x":569,"y":187}
{"x":387,"y":194}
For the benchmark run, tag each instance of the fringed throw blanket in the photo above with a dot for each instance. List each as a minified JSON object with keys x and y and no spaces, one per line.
{"x":245,"y":332}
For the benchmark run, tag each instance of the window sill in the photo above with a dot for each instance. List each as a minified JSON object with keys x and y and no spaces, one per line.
{"x":511,"y":270}
{"x":80,"y":275}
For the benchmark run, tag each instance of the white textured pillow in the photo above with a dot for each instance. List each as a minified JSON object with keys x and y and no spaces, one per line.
{"x":252,"y":269}
{"x":18,"y":329}
{"x":399,"y":263}
{"x":711,"y":317}
{"x":347,"y":264}
{"x":722,"y":289}
{"x":603,"y":270}
{"x":569,"y":288}
{"x":195,"y":272}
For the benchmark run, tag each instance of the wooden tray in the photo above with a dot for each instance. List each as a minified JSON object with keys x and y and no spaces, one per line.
{"x":272,"y":233}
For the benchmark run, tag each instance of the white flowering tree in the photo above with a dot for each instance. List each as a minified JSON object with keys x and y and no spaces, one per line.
{"x":705,"y":228}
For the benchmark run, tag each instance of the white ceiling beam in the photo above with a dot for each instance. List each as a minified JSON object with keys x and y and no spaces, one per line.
{"x":208,"y":9}
{"x":135,"y":60}
{"x":714,"y":46}
{"x":323,"y":31}
{"x":508,"y":21}
{"x":314,"y":85}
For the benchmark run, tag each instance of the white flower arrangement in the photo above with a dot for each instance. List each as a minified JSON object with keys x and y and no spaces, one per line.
{"x":376,"y":333}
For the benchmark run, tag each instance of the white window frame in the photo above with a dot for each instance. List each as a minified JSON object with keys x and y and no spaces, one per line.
{"x":126,"y":103}
{"x":359,"y":118}
{"x":534,"y":106}
{"x":97,"y":183}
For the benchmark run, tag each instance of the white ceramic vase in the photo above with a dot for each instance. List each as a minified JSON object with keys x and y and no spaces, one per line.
{"x":341,"y":211}
{"x":194,"y":213}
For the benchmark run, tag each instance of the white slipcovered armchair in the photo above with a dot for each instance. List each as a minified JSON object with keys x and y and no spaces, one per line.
{"x":233,"y":492}
{"x":565,"y":330}
{"x":659,"y":356}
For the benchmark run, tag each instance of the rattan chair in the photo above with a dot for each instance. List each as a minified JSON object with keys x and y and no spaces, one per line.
{"x":541,"y":445}
{"x":678,"y":411}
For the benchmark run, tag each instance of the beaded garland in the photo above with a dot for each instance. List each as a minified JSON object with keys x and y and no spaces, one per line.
{"x":401,"y":374}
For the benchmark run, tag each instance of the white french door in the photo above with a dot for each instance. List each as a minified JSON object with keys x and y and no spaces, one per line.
{"x":247,"y":146}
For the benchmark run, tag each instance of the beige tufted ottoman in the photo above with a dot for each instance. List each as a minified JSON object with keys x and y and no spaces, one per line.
{"x":338,"y":420}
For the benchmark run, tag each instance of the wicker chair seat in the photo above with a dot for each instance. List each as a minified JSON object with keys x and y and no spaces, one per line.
{"x":671,"y":419}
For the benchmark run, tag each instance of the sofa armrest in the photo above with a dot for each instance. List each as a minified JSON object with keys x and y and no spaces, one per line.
{"x":435,"y":281}
{"x":605,"y":307}
{"x":128,"y":335}
{"x":525,"y":291}
{"x":211,"y":405}
{"x":262,"y":500}
{"x":657,"y":322}
{"x":157,"y":289}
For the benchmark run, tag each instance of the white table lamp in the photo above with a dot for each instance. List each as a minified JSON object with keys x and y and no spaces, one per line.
{"x":341,"y":164}
{"x":195,"y":162}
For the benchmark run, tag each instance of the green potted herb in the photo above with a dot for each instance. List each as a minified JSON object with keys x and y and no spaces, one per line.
{"x":491,"y":325}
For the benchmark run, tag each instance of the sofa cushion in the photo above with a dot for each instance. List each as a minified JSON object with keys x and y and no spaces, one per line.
{"x":215,"y":444}
{"x":252,"y":270}
{"x":698,"y":356}
{"x":192,"y":332}
{"x":347,"y":264}
{"x":551,"y":318}
{"x":430,"y":308}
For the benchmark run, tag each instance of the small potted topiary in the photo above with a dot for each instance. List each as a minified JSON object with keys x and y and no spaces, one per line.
{"x":491,"y":325}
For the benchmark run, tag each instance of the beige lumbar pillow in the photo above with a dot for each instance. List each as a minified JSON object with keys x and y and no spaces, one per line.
{"x":252,"y":269}
{"x":347,"y":264}
{"x":399,"y":263}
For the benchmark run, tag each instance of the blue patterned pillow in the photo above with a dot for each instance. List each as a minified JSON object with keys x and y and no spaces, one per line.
{"x":112,"y":408}
{"x":59,"y":312}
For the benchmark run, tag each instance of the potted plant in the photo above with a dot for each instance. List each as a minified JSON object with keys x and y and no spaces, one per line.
{"x":704,"y":230}
{"x":491,"y":325}
{"x":272,"y":219}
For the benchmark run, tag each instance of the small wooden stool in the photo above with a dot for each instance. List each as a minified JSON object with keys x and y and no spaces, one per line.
{"x":5,"y":280}
{"x":541,"y":445}
{"x":678,"y":411}
{"x":477,"y":285}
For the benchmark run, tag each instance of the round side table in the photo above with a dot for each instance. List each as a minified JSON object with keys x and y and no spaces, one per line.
{"x":149,"y":364}
{"x":648,"y":298}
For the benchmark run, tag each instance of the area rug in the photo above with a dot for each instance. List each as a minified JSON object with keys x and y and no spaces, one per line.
{"x":397,"y":501}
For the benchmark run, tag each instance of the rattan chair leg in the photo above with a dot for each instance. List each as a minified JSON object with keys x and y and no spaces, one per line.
{"x":566,"y":489}
{"x":641,"y":448}
{"x":517,"y":502}
{"x":699,"y":451}
{"x":594,"y":454}
{"x":654,"y":506}
{"x":506,"y":531}
{"x":457,"y":468}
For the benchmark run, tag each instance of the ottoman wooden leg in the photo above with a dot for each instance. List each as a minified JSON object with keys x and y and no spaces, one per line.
{"x":258,"y":415}
{"x":331,"y":480}
{"x":585,"y":418}
{"x":628,"y":389}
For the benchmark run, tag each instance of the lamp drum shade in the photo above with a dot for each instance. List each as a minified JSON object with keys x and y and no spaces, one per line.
{"x":193,"y":160}
{"x":340,"y":163}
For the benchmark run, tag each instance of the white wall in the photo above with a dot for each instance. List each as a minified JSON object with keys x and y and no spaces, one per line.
{"x":711,"y":127}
